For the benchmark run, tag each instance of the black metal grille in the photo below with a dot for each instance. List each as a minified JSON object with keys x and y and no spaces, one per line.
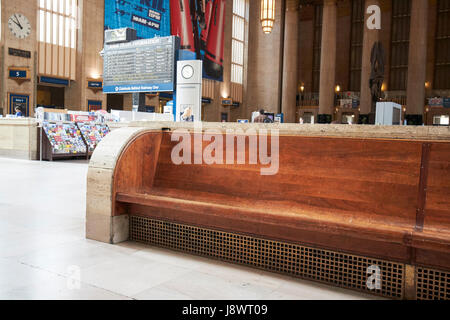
{"x":432,"y":284}
{"x":339,"y":269}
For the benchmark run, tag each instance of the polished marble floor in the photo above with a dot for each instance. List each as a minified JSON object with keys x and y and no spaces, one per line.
{"x":44,"y":253}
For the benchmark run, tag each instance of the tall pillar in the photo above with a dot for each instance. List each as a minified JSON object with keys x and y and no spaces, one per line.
{"x":290,"y":61}
{"x":370,"y":37}
{"x":328,"y":61}
{"x":89,"y":63}
{"x":417,"y":63}
{"x":29,"y":44}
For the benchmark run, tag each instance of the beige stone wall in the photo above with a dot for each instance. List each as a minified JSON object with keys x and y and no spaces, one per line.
{"x":89,"y":61}
{"x":343,"y":35}
{"x":305,"y":51}
{"x":19,"y":138}
{"x":263,"y":63}
{"x":265,"y":91}
{"x":432,"y":8}
{"x":212,"y":111}
{"x":385,"y":34}
{"x":8,"y":40}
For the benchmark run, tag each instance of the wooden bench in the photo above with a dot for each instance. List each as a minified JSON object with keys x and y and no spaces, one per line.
{"x":386,"y":199}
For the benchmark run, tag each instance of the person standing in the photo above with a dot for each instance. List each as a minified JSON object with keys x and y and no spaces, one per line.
{"x":18,"y":112}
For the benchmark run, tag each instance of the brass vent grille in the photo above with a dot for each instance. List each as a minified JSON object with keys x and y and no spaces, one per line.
{"x":339,"y":269}
{"x":432,"y":284}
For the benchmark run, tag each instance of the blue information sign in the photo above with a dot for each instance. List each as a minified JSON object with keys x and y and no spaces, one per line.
{"x":446,"y":102}
{"x":51,"y":80}
{"x":17,"y":74}
{"x":95,"y":84}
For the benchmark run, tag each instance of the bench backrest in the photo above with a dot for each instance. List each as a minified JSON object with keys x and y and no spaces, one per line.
{"x":377,"y":177}
{"x":397,"y":181}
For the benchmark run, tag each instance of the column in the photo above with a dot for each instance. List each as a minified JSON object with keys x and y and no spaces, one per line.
{"x":290,"y":61}
{"x":127,"y":101}
{"x":370,"y":37}
{"x":89,"y":63}
{"x":417,"y":63}
{"x":327,"y":61}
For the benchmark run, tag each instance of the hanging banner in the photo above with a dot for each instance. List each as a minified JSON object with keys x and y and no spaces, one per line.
{"x":149,"y":18}
{"x":199,"y":24}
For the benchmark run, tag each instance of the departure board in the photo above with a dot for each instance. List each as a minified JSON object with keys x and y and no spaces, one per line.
{"x":146,"y":65}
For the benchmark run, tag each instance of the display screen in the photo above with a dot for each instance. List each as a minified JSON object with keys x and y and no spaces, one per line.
{"x":146,"y":65}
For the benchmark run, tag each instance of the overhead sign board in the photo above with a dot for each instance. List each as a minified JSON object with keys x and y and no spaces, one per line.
{"x":146,"y":65}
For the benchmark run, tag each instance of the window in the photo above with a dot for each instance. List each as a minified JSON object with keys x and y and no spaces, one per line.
{"x":57,"y":20}
{"x":442,"y":55}
{"x":356,"y":44}
{"x":401,"y":16}
{"x":317,"y":47}
{"x":237,"y":42}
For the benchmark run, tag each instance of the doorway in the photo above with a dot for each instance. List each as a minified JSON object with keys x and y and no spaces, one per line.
{"x":114,"y":102}
{"x":50,"y":97}
{"x":348,"y":118}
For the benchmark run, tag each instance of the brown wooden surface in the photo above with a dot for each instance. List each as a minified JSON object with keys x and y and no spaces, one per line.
{"x":136,"y":166}
{"x":378,"y":197}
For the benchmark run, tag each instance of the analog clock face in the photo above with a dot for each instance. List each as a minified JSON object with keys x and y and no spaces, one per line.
{"x":19,"y":25}
{"x":187,"y":72}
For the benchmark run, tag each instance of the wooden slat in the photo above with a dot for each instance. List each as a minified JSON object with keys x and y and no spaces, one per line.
{"x":48,"y":59}
{"x":55,"y":60}
{"x":437,"y":207}
{"x":422,"y":193}
{"x":67,"y":62}
{"x":386,"y":199}
{"x":72,"y":64}
{"x":41,"y":48}
{"x":61,"y":62}
{"x":307,"y":222}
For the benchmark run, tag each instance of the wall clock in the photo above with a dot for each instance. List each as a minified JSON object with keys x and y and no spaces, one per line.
{"x":19,"y":25}
{"x":187,"y":72}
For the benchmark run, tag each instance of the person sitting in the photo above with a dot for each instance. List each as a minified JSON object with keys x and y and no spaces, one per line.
{"x":18,"y":112}
{"x":261,"y":117}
